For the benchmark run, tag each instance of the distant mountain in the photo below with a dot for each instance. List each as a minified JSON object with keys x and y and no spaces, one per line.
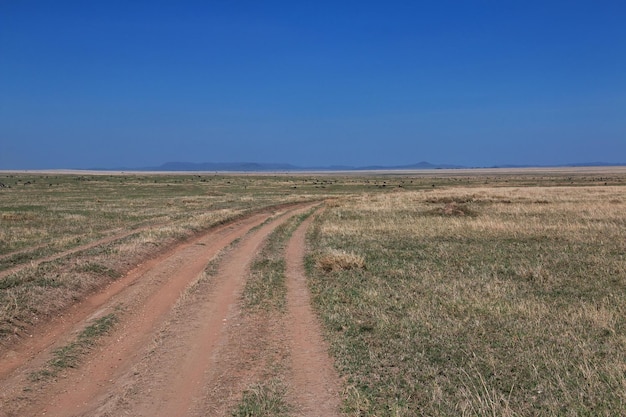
{"x":265,"y":167}
{"x":273,"y":167}
{"x":222,"y":166}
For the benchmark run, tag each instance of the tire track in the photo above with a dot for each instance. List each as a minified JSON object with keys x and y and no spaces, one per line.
{"x":45,"y":337}
{"x":314,"y":382}
{"x":183,"y":393}
{"x":272,"y":348}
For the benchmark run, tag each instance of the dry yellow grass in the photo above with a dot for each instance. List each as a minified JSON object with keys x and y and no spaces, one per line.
{"x":516,"y":309}
{"x":339,"y":260}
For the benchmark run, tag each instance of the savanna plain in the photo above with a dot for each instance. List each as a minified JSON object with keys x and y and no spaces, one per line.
{"x":439,"y":293}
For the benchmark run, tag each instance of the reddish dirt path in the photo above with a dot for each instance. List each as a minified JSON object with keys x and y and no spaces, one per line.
{"x":184,"y":346}
{"x":205,"y":327}
{"x":315,"y":383}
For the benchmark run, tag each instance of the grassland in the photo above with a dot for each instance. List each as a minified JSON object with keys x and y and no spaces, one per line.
{"x":442,"y":294}
{"x":475,"y":300}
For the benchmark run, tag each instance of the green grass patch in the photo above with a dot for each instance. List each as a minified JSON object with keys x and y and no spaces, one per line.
{"x":70,"y":356}
{"x":263,"y":400}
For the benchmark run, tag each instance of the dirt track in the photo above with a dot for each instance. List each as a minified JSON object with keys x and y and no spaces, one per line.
{"x":183,"y":346}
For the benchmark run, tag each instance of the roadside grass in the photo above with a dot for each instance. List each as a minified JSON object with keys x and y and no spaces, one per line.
{"x":70,"y":355}
{"x":517,"y":309}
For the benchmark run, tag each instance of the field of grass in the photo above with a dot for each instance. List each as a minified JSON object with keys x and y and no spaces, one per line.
{"x":470,"y":300}
{"x":442,"y":294}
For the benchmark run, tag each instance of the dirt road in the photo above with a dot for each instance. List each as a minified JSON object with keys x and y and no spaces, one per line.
{"x":182,"y":346}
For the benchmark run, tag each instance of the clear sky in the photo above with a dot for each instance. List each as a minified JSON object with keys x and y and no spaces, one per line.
{"x":138,"y":83}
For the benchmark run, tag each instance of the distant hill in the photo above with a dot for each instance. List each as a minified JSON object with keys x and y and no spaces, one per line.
{"x":277,"y":167}
{"x":269,"y":167}
{"x":419,"y":165}
{"x":222,"y":166}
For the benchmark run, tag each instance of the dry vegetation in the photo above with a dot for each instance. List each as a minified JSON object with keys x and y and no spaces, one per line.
{"x":477,"y":300}
{"x":339,"y":260}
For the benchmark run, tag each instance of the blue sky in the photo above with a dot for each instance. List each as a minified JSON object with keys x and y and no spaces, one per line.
{"x":138,"y":83}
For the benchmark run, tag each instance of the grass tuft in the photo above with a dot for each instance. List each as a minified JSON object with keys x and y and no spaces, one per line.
{"x":454,"y":209}
{"x":263,"y":400}
{"x":98,"y":269}
{"x":339,"y":260}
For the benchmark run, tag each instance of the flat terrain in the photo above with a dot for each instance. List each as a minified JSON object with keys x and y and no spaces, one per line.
{"x":423,"y":293}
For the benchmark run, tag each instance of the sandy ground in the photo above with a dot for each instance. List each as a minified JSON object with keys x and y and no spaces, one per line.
{"x":184,"y":346}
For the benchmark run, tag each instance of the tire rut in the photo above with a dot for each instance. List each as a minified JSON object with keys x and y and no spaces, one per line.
{"x":188,"y":359}
{"x":47,"y":336}
{"x":314,"y":382}
{"x":272,"y":348}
